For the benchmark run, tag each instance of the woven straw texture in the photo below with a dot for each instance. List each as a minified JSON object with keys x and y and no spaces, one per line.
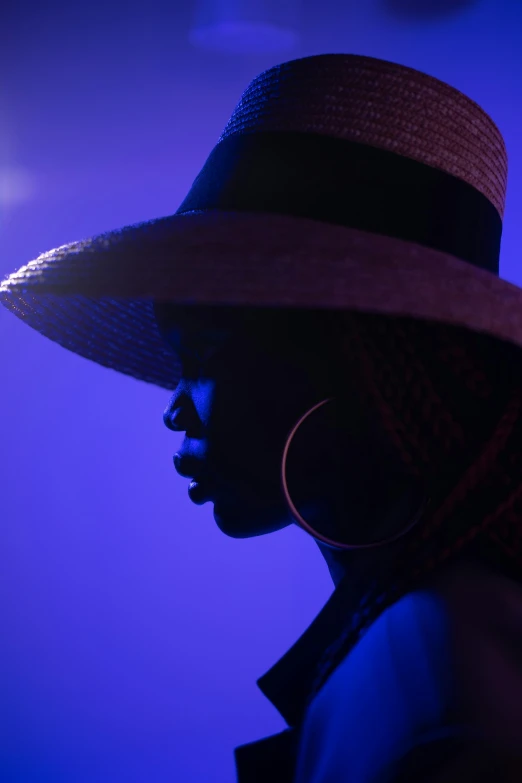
{"x":382,"y":104}
{"x":95,"y":296}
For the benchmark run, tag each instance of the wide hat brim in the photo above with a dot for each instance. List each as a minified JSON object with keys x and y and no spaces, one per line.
{"x":95,"y":297}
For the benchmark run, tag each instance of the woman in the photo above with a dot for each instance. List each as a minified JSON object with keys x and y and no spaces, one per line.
{"x":247,"y":377}
{"x":326,"y":306}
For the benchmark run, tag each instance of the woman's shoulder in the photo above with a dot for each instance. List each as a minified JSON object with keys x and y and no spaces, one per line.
{"x":420,"y":667}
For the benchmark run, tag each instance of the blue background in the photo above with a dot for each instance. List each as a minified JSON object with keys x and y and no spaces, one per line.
{"x":132,"y":630}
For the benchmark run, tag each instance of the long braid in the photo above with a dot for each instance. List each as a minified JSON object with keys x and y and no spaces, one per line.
{"x":451,"y":401}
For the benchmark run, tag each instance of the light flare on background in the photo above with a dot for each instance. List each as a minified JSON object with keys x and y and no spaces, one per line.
{"x":246,"y":26}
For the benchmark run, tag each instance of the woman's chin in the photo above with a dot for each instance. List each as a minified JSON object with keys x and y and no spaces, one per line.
{"x":240,"y":520}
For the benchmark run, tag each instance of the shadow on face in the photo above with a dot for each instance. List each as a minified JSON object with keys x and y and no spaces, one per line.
{"x":248,"y":376}
{"x":296,"y":333}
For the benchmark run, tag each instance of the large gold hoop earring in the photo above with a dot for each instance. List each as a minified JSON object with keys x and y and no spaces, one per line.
{"x":307,"y":527}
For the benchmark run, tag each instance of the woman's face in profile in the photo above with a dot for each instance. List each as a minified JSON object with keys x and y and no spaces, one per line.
{"x":247,"y":377}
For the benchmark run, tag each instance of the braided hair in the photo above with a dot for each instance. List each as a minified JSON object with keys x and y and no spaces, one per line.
{"x":451,"y":401}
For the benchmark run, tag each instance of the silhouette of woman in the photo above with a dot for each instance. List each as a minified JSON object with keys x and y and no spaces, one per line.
{"x":326,"y":308}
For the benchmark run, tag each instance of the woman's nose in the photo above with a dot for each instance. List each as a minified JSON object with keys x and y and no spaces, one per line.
{"x":174,"y":418}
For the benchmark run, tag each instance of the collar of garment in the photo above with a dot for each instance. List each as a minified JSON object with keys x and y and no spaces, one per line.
{"x":287,"y":686}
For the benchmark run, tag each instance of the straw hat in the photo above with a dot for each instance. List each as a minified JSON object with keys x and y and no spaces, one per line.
{"x":340,"y":181}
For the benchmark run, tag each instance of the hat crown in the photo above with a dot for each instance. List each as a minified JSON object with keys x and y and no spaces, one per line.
{"x":381,"y":104}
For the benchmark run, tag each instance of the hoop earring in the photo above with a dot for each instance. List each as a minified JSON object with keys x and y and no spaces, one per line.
{"x":306,"y":526}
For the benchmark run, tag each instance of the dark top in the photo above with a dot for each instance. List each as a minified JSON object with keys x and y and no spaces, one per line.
{"x":386,"y":714}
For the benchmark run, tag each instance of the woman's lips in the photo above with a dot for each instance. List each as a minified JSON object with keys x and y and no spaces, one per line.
{"x":188,"y":465}
{"x":202,"y":483}
{"x":201,"y":490}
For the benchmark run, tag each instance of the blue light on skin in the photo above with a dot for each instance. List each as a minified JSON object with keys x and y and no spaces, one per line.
{"x":247,"y":377}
